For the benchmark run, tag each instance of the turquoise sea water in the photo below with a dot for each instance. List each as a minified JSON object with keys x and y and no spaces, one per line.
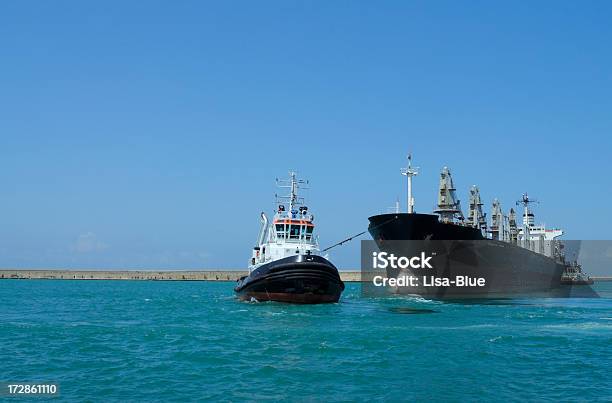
{"x":143,"y":341}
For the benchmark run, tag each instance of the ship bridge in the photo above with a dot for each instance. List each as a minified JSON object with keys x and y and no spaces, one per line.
{"x":290,"y":230}
{"x":537,"y":238}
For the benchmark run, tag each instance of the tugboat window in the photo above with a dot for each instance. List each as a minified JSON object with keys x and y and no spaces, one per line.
{"x":294,"y":232}
{"x":309,"y":229}
{"x":280,"y":231}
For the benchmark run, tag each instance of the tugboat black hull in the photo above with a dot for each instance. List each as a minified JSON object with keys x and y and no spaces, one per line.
{"x":302,"y":279}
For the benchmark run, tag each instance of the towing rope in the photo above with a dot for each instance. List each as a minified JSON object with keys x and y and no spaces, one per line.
{"x":356,"y":235}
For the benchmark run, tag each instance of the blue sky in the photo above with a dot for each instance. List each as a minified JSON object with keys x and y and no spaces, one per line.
{"x":149,"y":134}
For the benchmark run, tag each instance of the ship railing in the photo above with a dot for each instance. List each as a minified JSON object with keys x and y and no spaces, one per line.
{"x":312,"y":241}
{"x":286,"y":216}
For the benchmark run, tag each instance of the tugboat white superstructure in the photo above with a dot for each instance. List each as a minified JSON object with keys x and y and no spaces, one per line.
{"x":286,"y":265}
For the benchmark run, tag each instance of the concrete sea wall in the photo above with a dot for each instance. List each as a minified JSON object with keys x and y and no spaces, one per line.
{"x":194,"y":275}
{"x":175,"y":275}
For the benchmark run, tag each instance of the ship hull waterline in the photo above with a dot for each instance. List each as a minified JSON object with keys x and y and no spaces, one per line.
{"x":300,"y":279}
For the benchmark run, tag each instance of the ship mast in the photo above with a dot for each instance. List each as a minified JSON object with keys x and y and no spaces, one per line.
{"x":476,"y":217}
{"x":497,"y":221}
{"x":528,"y":219}
{"x":293,"y":196}
{"x":449,"y":206}
{"x":293,"y":184}
{"x":512,"y":226}
{"x":409,"y":172}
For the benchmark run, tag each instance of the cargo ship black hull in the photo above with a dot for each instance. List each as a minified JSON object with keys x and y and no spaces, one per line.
{"x":457,"y":251}
{"x":303,"y":279}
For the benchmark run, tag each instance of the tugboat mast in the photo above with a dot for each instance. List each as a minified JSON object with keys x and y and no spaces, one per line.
{"x":293,"y":184}
{"x":293,"y":196}
{"x":409,"y":172}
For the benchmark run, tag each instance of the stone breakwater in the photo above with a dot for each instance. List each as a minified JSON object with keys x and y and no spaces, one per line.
{"x":171,"y":275}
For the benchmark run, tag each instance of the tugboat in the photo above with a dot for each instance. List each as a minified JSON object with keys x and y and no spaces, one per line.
{"x":286,"y":265}
{"x":573,"y":275}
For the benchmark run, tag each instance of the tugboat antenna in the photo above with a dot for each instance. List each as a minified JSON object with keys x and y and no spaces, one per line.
{"x":293,"y":183}
{"x":409,"y":172}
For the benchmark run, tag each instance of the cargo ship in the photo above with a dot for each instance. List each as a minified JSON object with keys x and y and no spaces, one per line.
{"x":513,"y":259}
{"x":286,"y":264}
